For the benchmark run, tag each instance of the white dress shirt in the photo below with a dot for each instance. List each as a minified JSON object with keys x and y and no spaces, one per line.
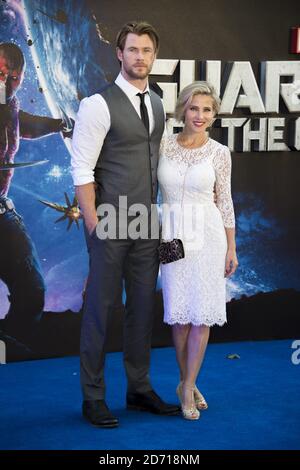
{"x":91,"y":126}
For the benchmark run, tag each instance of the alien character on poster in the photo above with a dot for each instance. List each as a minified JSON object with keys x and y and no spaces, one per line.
{"x":44,"y":265}
{"x":19,"y":265}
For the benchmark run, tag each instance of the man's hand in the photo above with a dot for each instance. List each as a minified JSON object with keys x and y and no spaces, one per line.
{"x":86,"y":197}
{"x":91,"y":225}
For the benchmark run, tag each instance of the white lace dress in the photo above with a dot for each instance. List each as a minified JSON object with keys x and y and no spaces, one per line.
{"x":194,"y":287}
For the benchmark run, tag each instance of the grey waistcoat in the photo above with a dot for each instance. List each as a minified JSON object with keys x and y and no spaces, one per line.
{"x":127,"y":164}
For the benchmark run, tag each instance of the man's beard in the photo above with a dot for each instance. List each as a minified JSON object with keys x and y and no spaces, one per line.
{"x":132,"y":73}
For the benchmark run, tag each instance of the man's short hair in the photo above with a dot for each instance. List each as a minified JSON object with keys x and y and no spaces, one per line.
{"x":13,"y":55}
{"x":138,"y":28}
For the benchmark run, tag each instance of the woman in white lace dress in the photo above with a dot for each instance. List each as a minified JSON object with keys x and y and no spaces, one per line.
{"x":191,"y":166}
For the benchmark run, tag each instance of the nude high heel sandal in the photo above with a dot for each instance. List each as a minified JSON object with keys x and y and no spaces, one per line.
{"x":200,"y":402}
{"x":191,"y":412}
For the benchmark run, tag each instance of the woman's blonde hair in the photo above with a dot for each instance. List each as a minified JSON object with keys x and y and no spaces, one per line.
{"x":196,"y":88}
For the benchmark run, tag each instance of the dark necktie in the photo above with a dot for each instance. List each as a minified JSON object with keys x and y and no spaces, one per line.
{"x":143,"y":109}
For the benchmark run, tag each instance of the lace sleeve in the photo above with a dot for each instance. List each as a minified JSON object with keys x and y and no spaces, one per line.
{"x":222,"y":164}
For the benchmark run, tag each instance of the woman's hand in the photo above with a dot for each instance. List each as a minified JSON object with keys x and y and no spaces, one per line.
{"x":231,"y":262}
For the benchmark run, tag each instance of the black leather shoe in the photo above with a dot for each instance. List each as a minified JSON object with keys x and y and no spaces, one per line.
{"x":151,"y":402}
{"x":98,"y":414}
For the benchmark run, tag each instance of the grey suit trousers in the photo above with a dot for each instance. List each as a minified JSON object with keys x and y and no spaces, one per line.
{"x":111,"y":261}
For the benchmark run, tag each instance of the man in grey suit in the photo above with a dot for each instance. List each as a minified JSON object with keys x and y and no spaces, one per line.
{"x":115,"y":153}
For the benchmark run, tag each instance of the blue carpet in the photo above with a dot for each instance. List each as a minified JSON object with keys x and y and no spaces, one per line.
{"x":253,"y":403}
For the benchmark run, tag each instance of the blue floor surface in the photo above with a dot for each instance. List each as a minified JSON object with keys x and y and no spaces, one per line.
{"x":253,"y":403}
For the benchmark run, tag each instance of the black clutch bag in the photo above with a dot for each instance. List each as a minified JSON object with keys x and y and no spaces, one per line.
{"x":171,"y":251}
